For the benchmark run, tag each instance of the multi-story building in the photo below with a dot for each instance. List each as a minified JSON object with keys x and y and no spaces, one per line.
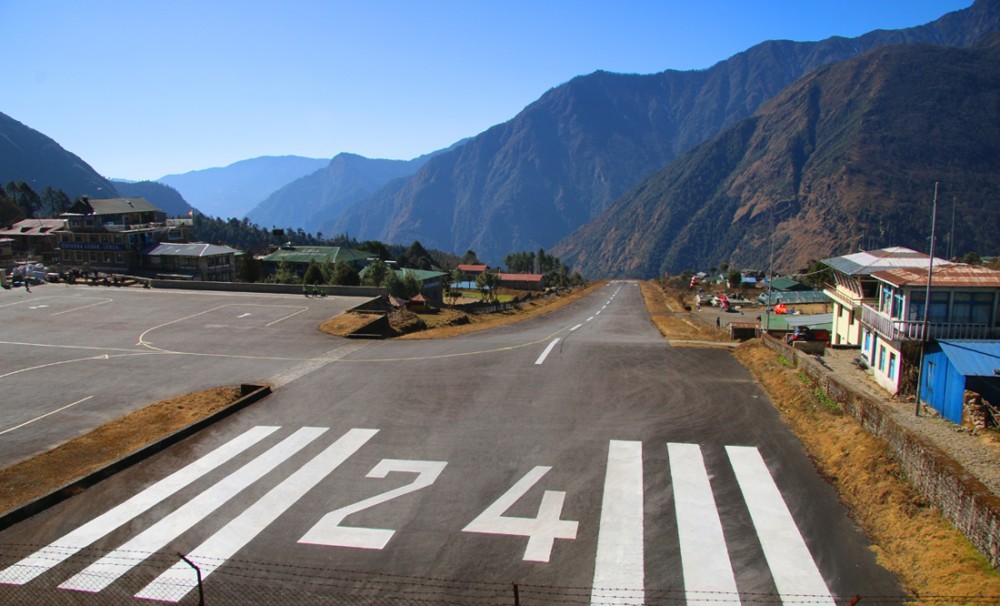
{"x":964,"y":304}
{"x":35,"y":239}
{"x":109,"y":235}
{"x":854,"y":286}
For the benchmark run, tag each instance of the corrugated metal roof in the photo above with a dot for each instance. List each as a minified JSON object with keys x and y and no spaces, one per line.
{"x":973,"y":276}
{"x":973,"y":358}
{"x":811,"y":320}
{"x":423,"y":275}
{"x":316,"y":254}
{"x":869,"y":262}
{"x":34,"y":227}
{"x":188,"y":249}
{"x":775,"y":321}
{"x":521,"y":277}
{"x":117,"y":206}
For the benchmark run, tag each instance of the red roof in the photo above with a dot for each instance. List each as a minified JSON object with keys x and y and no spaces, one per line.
{"x":950,"y":275}
{"x":472,"y":268}
{"x":521,"y":277}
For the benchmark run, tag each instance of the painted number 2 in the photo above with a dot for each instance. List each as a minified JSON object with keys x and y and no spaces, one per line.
{"x":542,"y":530}
{"x":329,"y":531}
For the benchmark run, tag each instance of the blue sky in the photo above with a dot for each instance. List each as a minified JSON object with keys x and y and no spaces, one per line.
{"x":140,"y":89}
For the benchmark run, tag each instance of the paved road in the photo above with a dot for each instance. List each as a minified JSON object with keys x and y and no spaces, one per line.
{"x":95,"y":353}
{"x":576,"y":454}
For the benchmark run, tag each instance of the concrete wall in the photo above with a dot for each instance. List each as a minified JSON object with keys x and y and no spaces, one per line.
{"x":294,"y":289}
{"x":964,"y":500}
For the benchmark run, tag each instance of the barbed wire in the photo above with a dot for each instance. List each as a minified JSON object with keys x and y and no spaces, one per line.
{"x":237,"y":582}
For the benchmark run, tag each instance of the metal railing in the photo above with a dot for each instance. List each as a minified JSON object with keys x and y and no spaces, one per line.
{"x":895,"y":329}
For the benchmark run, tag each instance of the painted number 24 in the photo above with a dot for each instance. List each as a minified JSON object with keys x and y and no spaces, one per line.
{"x":541,"y":530}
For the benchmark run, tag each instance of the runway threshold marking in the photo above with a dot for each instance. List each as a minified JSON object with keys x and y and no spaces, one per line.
{"x":109,"y":568}
{"x":619,"y":557}
{"x":619,"y":568}
{"x":40,"y":417}
{"x":63,"y":548}
{"x":792,"y":566}
{"x":708,"y":571}
{"x":548,"y":349}
{"x":175,"y":583}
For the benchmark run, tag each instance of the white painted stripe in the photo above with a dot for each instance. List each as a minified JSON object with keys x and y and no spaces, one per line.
{"x":575,"y":327}
{"x":597,"y":314}
{"x":619,"y":567}
{"x":175,"y":583}
{"x":40,"y":417}
{"x":708,"y":572}
{"x":590,"y":319}
{"x":66,"y":311}
{"x":792,"y":566}
{"x":50,"y":556}
{"x":545,"y":353}
{"x":106,"y":570}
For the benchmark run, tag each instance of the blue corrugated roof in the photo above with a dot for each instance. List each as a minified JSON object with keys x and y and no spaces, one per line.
{"x":973,"y":358}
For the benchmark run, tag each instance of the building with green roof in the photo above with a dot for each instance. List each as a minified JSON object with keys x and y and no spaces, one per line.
{"x":299,"y":257}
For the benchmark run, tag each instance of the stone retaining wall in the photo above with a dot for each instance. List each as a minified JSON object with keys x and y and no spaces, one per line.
{"x":964,"y":500}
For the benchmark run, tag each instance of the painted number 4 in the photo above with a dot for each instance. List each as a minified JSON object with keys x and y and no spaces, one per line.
{"x":542,"y":530}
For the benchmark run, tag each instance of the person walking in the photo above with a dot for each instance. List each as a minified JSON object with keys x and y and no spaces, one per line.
{"x":27,"y":287}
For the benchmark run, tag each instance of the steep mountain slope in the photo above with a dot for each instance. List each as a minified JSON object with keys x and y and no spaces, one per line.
{"x":162,"y":196}
{"x":28,"y":155}
{"x":566,"y":157}
{"x":233,"y":190}
{"x":845,"y":157}
{"x":308,"y":201}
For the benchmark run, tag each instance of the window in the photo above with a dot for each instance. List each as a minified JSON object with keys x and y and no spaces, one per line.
{"x":939,"y":306}
{"x":892,"y":366}
{"x":897,"y":305}
{"x":885,"y":301}
{"x":881,"y":358}
{"x":972,"y":308}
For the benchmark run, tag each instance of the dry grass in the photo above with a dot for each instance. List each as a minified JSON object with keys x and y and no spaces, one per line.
{"x":35,"y":477}
{"x":347,"y":323}
{"x":452,"y":323}
{"x":674,"y":322}
{"x":911,"y":538}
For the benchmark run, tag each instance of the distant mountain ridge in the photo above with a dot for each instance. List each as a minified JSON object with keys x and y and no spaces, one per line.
{"x":568,"y":156}
{"x":233,"y":190}
{"x":348,"y":178}
{"x":164,"y":197}
{"x":28,"y":155}
{"x":845,"y":158}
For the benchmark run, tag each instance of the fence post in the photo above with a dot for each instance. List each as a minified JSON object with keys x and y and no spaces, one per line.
{"x":201,"y":592}
{"x":517,"y":595}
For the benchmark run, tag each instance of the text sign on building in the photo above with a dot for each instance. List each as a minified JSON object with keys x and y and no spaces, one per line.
{"x":94,"y":246}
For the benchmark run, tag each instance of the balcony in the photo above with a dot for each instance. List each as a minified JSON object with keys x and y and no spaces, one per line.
{"x":913,"y":330}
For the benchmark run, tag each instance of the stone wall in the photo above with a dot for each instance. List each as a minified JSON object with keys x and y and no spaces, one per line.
{"x":964,"y":500}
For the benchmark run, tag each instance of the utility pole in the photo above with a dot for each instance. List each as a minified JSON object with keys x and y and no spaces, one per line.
{"x":927,"y":303}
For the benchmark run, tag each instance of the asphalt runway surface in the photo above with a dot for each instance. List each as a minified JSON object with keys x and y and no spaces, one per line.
{"x":576,"y":454}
